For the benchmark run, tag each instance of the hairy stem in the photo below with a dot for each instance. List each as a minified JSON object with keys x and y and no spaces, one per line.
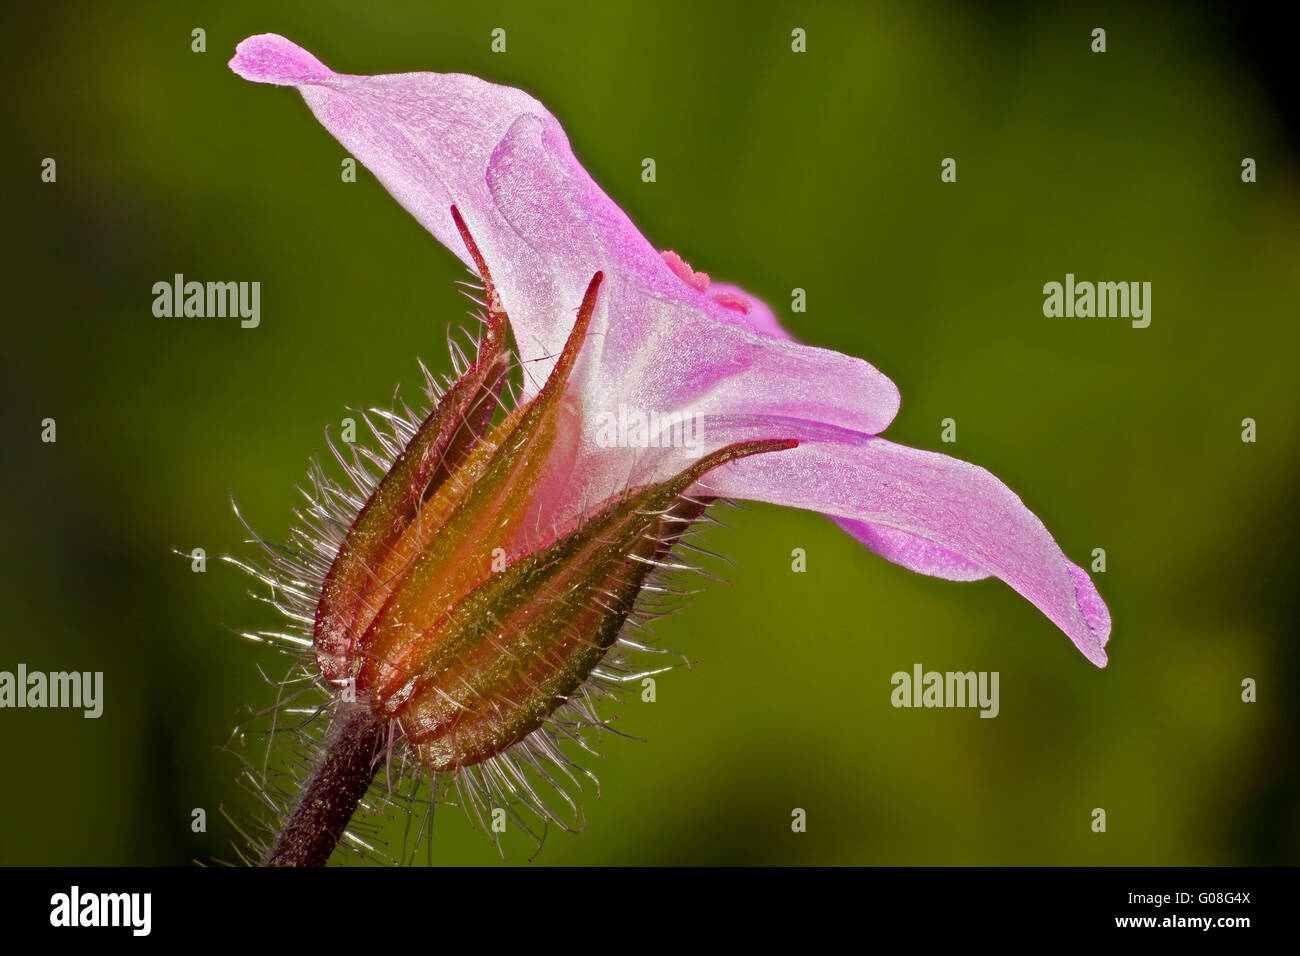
{"x":329,"y":798}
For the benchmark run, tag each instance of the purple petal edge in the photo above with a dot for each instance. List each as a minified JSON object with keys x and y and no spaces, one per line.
{"x":270,"y":58}
{"x":956,"y":520}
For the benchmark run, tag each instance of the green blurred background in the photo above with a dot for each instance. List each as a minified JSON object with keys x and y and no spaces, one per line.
{"x":775,"y":170}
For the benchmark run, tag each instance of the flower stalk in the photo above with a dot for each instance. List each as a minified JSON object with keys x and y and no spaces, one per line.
{"x":329,"y":799}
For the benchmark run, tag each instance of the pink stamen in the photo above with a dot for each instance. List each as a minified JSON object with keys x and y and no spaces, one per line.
{"x":699,"y":281}
{"x":732,"y":301}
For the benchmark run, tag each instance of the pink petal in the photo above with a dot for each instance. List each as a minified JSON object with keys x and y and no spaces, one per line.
{"x":270,"y":58}
{"x":429,"y":139}
{"x":956,"y":519}
{"x":437,"y":140}
{"x":912,"y":551}
{"x":659,"y":341}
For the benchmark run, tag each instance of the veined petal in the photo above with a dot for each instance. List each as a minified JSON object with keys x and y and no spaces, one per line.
{"x":944,"y":508}
{"x":658,"y":340}
{"x":429,"y":138}
{"x":545,"y":228}
{"x":912,"y":551}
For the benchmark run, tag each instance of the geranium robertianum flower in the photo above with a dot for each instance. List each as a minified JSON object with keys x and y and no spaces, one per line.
{"x":472,"y":591}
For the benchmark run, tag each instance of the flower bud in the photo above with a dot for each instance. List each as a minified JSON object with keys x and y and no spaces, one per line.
{"x":462,"y":659}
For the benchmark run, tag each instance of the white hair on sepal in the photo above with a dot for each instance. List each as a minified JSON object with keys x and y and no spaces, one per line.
{"x":535,"y":782}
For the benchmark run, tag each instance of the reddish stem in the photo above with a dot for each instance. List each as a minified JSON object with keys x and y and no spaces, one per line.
{"x":326,"y":803}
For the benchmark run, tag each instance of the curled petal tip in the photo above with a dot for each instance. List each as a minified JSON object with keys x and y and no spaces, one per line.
{"x":270,"y":58}
{"x":1095,"y":613}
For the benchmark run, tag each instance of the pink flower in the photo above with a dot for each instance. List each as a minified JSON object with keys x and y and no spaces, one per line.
{"x":665,"y":338}
{"x":468,"y":599}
